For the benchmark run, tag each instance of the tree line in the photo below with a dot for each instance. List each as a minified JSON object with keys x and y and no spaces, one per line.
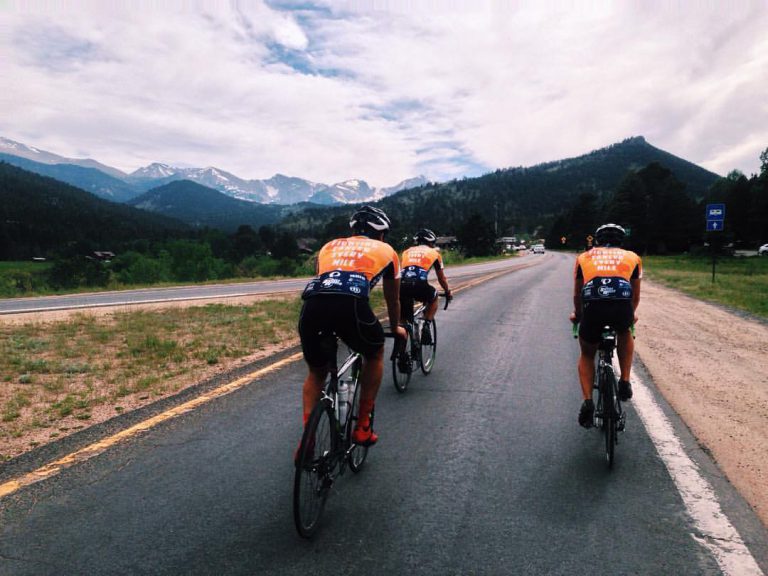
{"x":661,"y":217}
{"x":199,"y":257}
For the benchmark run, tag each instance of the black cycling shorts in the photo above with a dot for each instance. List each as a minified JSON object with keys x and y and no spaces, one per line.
{"x":595,"y":315}
{"x":420,"y":291}
{"x":350,"y":318}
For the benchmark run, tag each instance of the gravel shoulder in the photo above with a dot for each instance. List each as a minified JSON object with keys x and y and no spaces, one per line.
{"x":711,"y":365}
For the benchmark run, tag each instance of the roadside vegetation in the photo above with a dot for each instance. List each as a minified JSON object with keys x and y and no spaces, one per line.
{"x":739,"y":282}
{"x":56,"y":374}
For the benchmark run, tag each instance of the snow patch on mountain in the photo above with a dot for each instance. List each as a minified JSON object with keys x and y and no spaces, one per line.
{"x":279,"y":189}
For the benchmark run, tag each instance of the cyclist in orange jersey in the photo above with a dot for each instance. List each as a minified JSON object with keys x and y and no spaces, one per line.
{"x":416,"y":263}
{"x":336,"y":301}
{"x":606,"y":292}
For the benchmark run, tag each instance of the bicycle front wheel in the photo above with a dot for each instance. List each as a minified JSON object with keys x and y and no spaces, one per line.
{"x":428,"y":346}
{"x":402,"y":365}
{"x":315,"y":467}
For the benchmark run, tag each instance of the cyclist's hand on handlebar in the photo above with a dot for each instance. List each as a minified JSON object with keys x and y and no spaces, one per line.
{"x":448,"y":295}
{"x":574,"y":318}
{"x":400,"y":333}
{"x":635,"y":320}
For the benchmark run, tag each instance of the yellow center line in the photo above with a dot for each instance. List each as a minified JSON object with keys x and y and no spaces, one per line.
{"x":88,"y":452}
{"x":97,"y":448}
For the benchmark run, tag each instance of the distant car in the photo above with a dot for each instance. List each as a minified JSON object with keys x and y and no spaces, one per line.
{"x":537,"y":249}
{"x":763,"y":250}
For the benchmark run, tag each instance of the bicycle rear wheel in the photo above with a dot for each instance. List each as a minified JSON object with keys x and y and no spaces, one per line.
{"x":315,"y":467}
{"x":610,"y":417}
{"x":428,"y":351}
{"x":357,"y":453}
{"x":402,"y":364}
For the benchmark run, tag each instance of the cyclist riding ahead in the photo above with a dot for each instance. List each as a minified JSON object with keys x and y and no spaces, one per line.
{"x":606,"y":292}
{"x":336,"y":301}
{"x":417,"y":261}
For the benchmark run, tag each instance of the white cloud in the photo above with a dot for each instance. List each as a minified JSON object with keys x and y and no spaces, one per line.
{"x":381,"y":91}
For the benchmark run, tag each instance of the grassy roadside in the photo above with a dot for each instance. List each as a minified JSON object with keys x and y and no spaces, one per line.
{"x":58,"y":377}
{"x":739,"y":282}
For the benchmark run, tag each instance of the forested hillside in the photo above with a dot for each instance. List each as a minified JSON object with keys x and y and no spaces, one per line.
{"x":90,"y":179}
{"x":515,"y":200}
{"x":201,"y":207}
{"x":40,"y":215}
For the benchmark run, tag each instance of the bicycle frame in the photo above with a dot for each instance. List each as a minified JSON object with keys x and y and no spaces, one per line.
{"x":609,"y":417}
{"x":331,"y":432}
{"x":405,"y":356}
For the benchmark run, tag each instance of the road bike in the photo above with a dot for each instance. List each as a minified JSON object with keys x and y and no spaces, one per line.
{"x":419,"y":348}
{"x":327,"y":448}
{"x":609,"y":417}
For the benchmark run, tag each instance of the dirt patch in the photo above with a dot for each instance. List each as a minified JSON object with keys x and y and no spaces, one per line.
{"x":712,"y":367}
{"x":57,"y":315}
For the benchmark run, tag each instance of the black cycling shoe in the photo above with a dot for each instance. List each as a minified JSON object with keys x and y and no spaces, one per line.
{"x":587,"y":414}
{"x":426,"y":335}
{"x":625,"y":390}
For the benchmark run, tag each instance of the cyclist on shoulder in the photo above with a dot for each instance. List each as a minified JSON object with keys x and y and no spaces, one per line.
{"x":606,"y":292}
{"x":336,"y":301}
{"x":417,"y":261}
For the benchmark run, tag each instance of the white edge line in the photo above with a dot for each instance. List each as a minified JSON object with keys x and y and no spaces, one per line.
{"x":715,"y":531}
{"x":127,"y":303}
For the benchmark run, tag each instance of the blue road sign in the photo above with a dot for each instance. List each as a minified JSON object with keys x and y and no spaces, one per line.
{"x":715,"y":212}
{"x":715,"y":226}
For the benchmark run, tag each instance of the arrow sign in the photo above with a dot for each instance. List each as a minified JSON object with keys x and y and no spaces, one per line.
{"x":714,"y":225}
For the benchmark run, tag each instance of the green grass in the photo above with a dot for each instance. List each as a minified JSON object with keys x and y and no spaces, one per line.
{"x":739,"y":282}
{"x":9,"y":266}
{"x":64,"y":369}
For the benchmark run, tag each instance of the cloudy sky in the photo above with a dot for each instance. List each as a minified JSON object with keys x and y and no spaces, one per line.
{"x":383,"y":90}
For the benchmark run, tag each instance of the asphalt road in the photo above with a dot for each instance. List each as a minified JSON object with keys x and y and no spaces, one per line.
{"x":480,"y":469}
{"x":199,"y":292}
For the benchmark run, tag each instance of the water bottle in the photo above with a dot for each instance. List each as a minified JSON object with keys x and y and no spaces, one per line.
{"x":343,"y":400}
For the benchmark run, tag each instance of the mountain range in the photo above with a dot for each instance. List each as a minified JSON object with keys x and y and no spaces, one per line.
{"x":519,"y":199}
{"x":113,"y":184}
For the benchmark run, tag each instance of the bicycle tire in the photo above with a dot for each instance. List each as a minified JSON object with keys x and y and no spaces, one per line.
{"x":428,"y":351}
{"x":315,"y":468}
{"x":401,"y":379}
{"x":357,"y":453}
{"x":610,"y":418}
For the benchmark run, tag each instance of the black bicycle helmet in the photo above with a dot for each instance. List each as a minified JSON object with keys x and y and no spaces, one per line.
{"x":369,"y":220}
{"x":610,"y":235}
{"x":425,"y":236}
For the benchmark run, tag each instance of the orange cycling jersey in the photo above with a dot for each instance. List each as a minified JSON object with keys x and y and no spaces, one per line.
{"x":423,"y":257}
{"x":417,"y":261}
{"x":608,"y":262}
{"x":353,"y":266}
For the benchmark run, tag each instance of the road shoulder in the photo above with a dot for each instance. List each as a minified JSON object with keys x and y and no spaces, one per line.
{"x":710,"y":364}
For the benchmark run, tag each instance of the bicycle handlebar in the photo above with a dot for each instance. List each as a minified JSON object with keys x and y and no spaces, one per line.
{"x":447,"y":300}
